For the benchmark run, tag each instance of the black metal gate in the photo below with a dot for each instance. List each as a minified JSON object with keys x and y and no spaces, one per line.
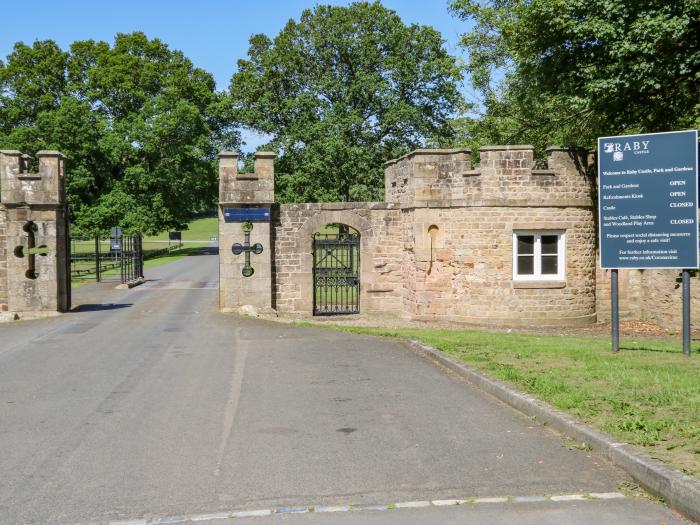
{"x":336,"y":273}
{"x":131,"y":258}
{"x":117,"y":259}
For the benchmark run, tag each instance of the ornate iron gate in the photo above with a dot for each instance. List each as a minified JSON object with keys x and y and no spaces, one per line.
{"x":336,"y":273}
{"x":99,"y":259}
{"x":131,"y":258}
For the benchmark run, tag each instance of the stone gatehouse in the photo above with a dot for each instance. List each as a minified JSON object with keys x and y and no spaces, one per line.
{"x":501,"y":243}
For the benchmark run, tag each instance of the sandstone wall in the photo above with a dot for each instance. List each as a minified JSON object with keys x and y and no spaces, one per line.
{"x":467,"y":276}
{"x":649,"y":295}
{"x":458,"y":234}
{"x":381,"y":254}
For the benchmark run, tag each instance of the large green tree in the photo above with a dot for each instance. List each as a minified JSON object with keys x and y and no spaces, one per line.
{"x":342,"y":90}
{"x":567,"y":71}
{"x":139,"y":123}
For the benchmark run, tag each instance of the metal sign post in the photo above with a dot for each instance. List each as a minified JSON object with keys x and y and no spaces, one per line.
{"x":686,"y":312}
{"x":614,"y":311}
{"x":648,"y":209}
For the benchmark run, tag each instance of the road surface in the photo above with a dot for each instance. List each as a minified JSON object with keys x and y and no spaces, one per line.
{"x":147,"y":404}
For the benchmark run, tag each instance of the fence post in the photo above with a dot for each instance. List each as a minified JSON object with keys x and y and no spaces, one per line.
{"x":98,"y":263}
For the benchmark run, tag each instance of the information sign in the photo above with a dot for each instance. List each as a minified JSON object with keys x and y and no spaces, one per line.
{"x":648,"y":200}
{"x":246,"y":214}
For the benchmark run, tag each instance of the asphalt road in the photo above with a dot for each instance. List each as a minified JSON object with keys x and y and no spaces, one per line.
{"x":148,"y":403}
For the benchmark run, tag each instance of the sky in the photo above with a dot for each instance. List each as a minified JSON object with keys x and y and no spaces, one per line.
{"x":212,"y":33}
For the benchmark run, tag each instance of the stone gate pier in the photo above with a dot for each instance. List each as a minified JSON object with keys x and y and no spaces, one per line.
{"x":34,"y":267}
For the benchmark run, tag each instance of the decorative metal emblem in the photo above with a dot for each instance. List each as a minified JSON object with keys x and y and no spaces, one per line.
{"x":32,"y":250}
{"x":246,"y":248}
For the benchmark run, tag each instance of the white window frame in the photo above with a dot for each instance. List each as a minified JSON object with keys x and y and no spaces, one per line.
{"x":537,"y":275}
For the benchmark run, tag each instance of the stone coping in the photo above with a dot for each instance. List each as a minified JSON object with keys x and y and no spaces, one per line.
{"x":342,"y":206}
{"x":257,"y":154}
{"x":424,"y":151}
{"x":507,"y":147}
{"x":40,"y":153}
{"x":457,"y":203}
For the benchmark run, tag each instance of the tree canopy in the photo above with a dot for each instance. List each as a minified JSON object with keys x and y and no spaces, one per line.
{"x":140,"y":125}
{"x":567,"y":71}
{"x":341,"y":91}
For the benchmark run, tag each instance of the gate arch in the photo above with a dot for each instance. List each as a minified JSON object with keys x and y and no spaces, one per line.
{"x":304,"y":242}
{"x":336,"y":271}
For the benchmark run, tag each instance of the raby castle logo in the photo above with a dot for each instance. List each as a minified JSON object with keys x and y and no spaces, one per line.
{"x":618,"y":148}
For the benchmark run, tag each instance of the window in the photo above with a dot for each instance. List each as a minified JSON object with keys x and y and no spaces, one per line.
{"x":538,"y":255}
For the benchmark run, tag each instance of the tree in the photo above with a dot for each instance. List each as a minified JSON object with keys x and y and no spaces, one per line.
{"x":567,"y":71}
{"x":341,"y":91}
{"x":139,"y":123}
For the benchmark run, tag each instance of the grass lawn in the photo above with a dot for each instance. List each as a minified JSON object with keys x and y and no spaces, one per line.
{"x":647,"y":395}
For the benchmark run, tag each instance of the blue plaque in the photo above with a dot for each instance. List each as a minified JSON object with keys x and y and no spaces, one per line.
{"x":648,"y":200}
{"x":246,"y":214}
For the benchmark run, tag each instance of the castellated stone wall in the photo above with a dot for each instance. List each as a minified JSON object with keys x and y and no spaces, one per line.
{"x":458,"y":224}
{"x":441,"y":246}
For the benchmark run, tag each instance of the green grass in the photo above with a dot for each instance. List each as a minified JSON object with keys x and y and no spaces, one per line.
{"x":648,"y":394}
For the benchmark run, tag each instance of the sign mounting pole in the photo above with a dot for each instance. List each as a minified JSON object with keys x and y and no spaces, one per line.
{"x":614,"y":310}
{"x":686,"y":312}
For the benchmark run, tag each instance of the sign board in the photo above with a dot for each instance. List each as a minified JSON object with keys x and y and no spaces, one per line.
{"x":246,"y":214}
{"x":175,"y":236}
{"x":648,"y":200}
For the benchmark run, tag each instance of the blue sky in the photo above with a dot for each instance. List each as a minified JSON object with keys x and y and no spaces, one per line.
{"x":212,"y":33}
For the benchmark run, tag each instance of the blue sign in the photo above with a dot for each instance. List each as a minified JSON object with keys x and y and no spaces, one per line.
{"x":648,"y":200}
{"x":247,"y":214}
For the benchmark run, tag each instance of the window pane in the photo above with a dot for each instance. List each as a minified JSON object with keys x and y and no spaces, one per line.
{"x":550,"y":265}
{"x":526,"y":244}
{"x":526,"y":265}
{"x":549,"y":244}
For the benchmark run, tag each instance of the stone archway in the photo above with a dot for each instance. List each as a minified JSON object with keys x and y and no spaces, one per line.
{"x":304,"y":242}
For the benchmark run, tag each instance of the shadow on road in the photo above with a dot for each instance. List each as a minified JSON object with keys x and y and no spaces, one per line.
{"x":100,"y":307}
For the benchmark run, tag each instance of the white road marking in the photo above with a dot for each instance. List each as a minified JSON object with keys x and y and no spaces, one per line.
{"x":508,"y":500}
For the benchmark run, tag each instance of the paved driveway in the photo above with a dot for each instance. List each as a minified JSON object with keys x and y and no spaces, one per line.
{"x":148,"y":403}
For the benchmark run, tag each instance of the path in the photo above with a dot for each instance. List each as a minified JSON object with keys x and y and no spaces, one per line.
{"x":148,"y":402}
